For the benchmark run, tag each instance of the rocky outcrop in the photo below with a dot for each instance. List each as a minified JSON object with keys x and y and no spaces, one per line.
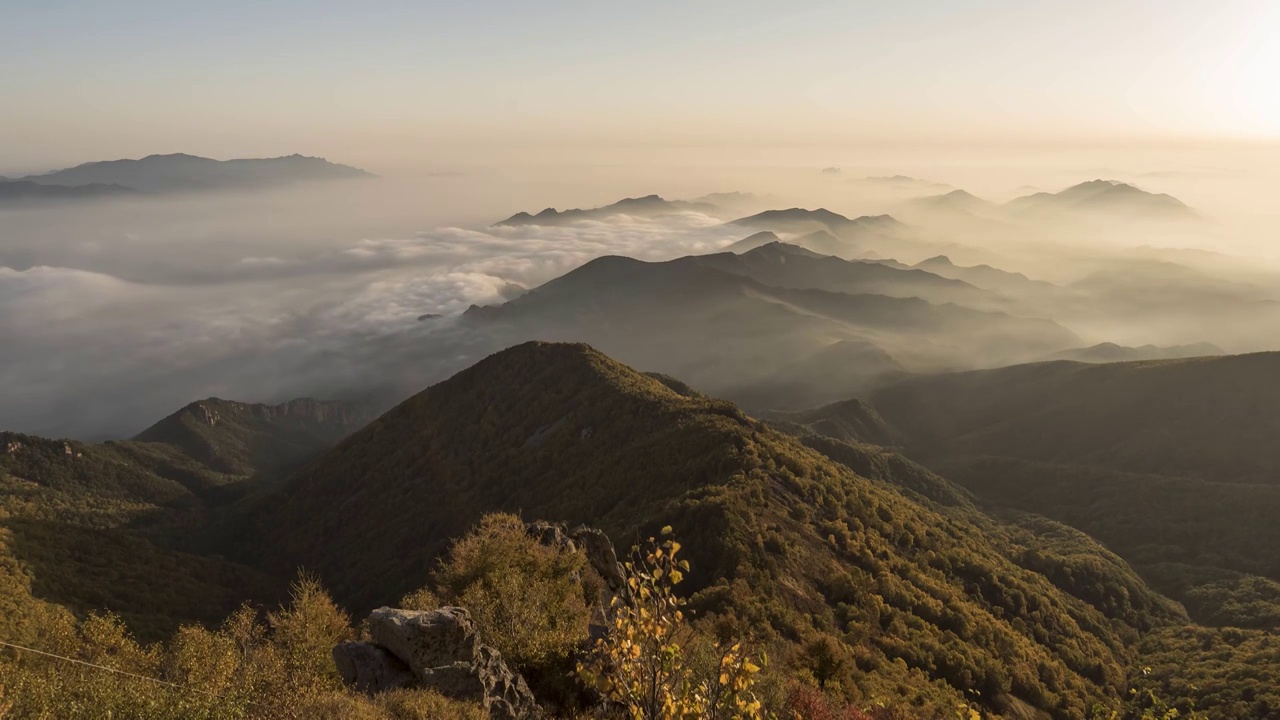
{"x":592,"y":542}
{"x":371,"y":669}
{"x":437,"y":649}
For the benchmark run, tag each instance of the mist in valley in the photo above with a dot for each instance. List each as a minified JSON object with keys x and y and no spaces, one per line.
{"x":119,"y":311}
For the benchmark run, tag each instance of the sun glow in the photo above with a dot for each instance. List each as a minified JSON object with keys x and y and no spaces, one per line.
{"x":1247,"y":86}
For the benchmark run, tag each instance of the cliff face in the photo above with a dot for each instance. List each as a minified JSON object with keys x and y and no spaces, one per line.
{"x":243,"y":438}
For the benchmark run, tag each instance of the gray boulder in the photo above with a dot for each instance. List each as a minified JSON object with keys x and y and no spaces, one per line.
{"x":551,"y":535}
{"x":443,"y":652}
{"x":601,"y":555}
{"x":371,"y":669}
{"x":592,"y":542}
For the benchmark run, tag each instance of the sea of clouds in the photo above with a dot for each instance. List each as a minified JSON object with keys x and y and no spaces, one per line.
{"x":107,"y":328}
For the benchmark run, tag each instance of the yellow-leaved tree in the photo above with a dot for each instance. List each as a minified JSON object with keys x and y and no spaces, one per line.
{"x":641,"y":663}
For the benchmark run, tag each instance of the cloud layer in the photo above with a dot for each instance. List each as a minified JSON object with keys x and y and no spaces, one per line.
{"x":92,"y":354}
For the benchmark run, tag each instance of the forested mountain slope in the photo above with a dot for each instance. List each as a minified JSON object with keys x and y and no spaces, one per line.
{"x":929,"y":602}
{"x":113,"y":526}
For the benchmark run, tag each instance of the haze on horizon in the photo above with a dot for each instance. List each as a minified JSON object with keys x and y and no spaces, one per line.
{"x":115,"y":313}
{"x":404,"y":87}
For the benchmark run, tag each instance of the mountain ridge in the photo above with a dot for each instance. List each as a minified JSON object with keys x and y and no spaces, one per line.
{"x":647,"y":206}
{"x":562,"y":431}
{"x":1110,"y":196}
{"x":180,"y":172}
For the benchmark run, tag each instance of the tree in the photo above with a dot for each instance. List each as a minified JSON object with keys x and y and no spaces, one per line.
{"x":529,"y":600}
{"x":641,"y":664}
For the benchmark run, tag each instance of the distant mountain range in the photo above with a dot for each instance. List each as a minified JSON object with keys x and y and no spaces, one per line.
{"x":647,"y":206}
{"x":1111,"y":352}
{"x":822,"y":230}
{"x":986,"y":276}
{"x":734,"y":323}
{"x":182,"y":173}
{"x":795,"y":266}
{"x":1102,"y":197}
{"x":955,"y":200}
{"x":25,"y":192}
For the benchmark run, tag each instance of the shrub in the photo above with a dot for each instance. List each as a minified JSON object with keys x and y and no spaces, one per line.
{"x":641,"y":663}
{"x":528,"y":600}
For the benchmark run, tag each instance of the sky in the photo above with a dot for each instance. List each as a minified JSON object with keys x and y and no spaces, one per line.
{"x":403,"y":86}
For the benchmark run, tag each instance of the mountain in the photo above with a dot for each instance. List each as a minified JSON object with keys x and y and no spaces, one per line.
{"x":751,"y":242}
{"x":647,"y":206}
{"x":1170,"y":463}
{"x":1167,"y":461}
{"x":801,"y":267}
{"x":853,"y":421}
{"x":990,"y":278}
{"x":242,"y":438}
{"x":98,"y":527}
{"x":24,"y":192}
{"x":795,"y":220}
{"x":847,"y":562}
{"x":709,"y":321}
{"x":954,"y":201}
{"x":1203,"y":417}
{"x":928,"y":601}
{"x":1197,"y":306}
{"x":122,"y":526}
{"x":1111,"y":352}
{"x":829,"y":233}
{"x":841,"y":369}
{"x":798,"y":221}
{"x":1103,"y":196}
{"x":188,"y":173}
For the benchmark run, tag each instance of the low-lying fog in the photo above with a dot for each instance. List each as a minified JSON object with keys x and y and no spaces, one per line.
{"x":115,"y":313}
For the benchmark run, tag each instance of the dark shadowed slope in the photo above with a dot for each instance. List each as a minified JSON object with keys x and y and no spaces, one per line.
{"x":85,"y":525}
{"x":241,"y":438}
{"x":1214,"y":418}
{"x":113,"y":526}
{"x":1172,"y":463}
{"x":789,"y":541}
{"x":853,"y":421}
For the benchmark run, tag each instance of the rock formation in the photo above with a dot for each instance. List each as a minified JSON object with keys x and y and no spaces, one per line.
{"x":437,"y":649}
{"x":594,"y":544}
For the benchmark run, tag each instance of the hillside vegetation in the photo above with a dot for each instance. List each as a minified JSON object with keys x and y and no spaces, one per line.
{"x":112,"y":526}
{"x":931,"y":605}
{"x":867,"y":579}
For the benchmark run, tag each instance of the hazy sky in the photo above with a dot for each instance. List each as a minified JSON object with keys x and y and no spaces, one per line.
{"x":390,"y":84}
